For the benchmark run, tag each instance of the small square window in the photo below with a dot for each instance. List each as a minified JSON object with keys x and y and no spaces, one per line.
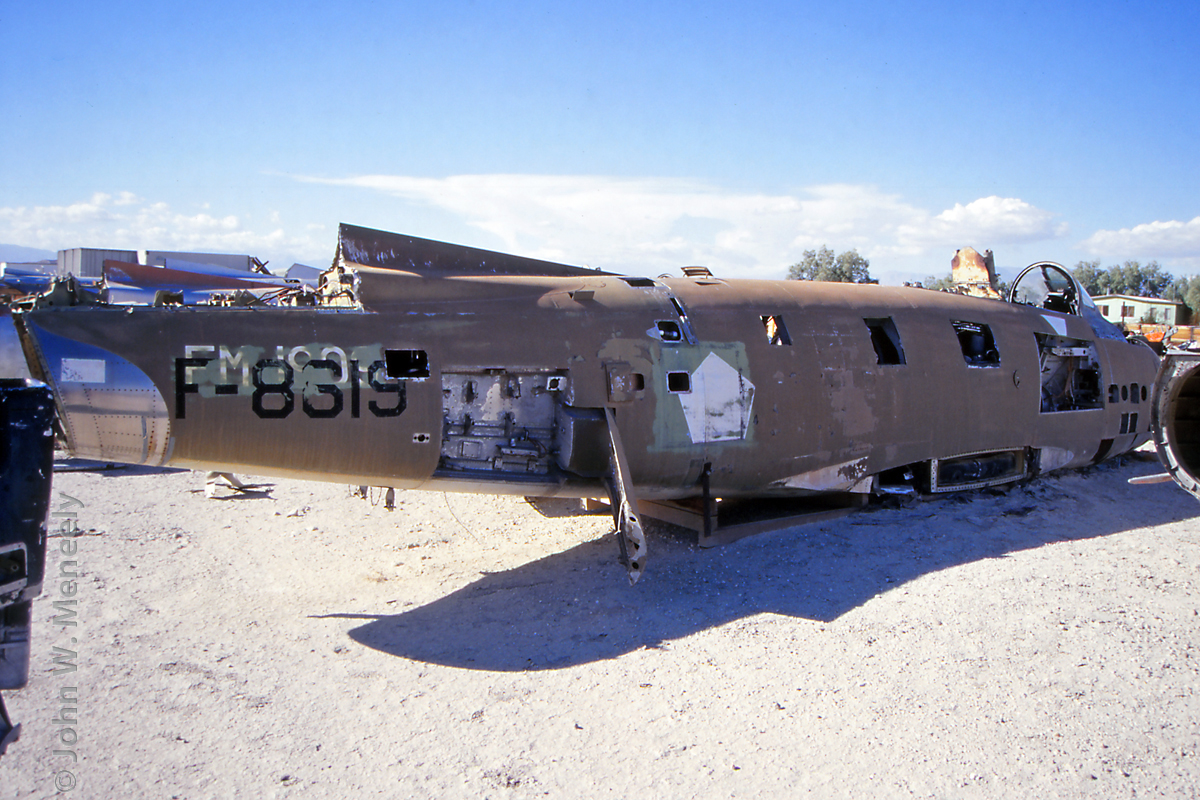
{"x":406,"y":364}
{"x":679,"y":382}
{"x":777,"y":333}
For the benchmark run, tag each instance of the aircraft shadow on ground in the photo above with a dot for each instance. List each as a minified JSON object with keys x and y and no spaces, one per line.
{"x":576,"y":607}
{"x":109,"y":469}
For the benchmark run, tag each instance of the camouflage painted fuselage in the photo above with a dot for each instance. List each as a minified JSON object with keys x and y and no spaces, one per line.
{"x":498,"y":384}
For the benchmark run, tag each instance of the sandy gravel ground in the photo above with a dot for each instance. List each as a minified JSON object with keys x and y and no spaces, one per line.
{"x":1040,"y":642}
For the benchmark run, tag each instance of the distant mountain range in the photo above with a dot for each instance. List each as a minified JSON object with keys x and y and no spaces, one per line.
{"x":17,"y":253}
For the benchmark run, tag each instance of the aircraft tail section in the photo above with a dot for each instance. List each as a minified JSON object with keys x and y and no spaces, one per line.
{"x":108,"y":408}
{"x":429,"y":258}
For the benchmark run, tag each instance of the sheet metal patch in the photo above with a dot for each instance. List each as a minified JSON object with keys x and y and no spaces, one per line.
{"x":717,"y":408}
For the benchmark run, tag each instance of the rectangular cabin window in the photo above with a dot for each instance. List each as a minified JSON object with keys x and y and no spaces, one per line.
{"x":886,"y":341}
{"x":978,"y":346}
{"x":679,"y":382}
{"x":406,"y":364}
{"x":777,"y":333}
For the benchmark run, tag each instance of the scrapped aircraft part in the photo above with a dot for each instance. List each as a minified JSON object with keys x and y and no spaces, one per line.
{"x":26,"y":466}
{"x":1143,"y":480}
{"x":499,"y":422}
{"x":26,"y":461}
{"x":582,"y":438}
{"x":1046,"y":285}
{"x":624,"y":504}
{"x":717,"y":406}
{"x":850,"y":476}
{"x":1049,"y":286}
{"x":12,"y":356}
{"x":182,"y":275}
{"x":337,"y":287}
{"x":444,"y":367}
{"x":430,"y":258}
{"x":1070,"y":374}
{"x":1175,"y":418}
{"x":108,"y":408}
{"x":1052,"y":458}
{"x":974,"y":275}
{"x":977,"y":470}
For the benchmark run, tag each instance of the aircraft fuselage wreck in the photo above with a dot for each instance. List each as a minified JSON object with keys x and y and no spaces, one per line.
{"x":458,"y":369}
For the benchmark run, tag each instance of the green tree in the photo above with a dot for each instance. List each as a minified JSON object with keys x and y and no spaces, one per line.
{"x":823,"y":265}
{"x":1091,"y":276}
{"x":942,"y":284}
{"x":1186,"y":291}
{"x":1130,"y":278}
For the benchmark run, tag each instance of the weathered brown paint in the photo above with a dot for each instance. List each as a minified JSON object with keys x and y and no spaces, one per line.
{"x":820,"y":403}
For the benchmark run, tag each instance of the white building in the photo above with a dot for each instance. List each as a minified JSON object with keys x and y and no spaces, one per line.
{"x":1123,"y":308}
{"x":88,"y":262}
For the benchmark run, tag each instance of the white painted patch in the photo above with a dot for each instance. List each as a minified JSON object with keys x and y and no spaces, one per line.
{"x":718,"y":407}
{"x":1053,"y":458}
{"x":1058,"y":323}
{"x":82,"y":370}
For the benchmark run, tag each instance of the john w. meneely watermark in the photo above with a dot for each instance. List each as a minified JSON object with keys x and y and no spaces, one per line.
{"x":64,"y":589}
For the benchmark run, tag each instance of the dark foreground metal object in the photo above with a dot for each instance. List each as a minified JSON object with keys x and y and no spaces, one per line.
{"x":26,"y":461}
{"x":1175,"y":418}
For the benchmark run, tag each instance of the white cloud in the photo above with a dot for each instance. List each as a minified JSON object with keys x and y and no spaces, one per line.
{"x":1178,"y":241}
{"x":127,"y":222}
{"x":654,"y":225}
{"x":1000,"y":220}
{"x":643,"y":226}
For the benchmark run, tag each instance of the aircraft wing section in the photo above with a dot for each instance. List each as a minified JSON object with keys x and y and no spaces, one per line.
{"x":180,"y":276}
{"x":429,"y":258}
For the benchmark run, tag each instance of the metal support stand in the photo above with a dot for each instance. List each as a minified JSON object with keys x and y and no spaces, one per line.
{"x":625,"y":517}
{"x":9,"y":733}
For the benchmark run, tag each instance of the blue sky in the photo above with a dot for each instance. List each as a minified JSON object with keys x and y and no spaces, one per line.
{"x":634,"y":137}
